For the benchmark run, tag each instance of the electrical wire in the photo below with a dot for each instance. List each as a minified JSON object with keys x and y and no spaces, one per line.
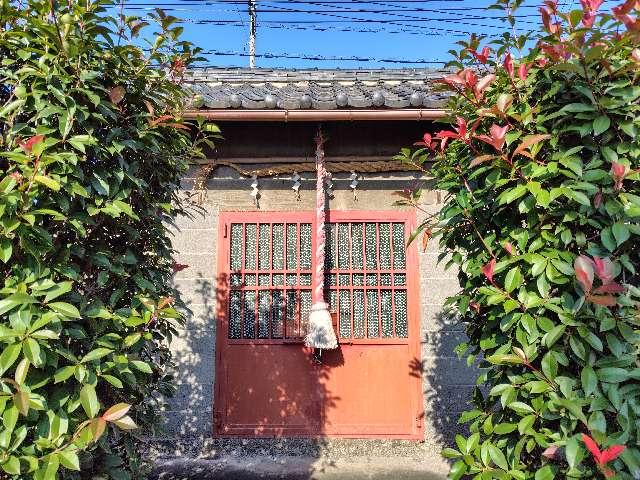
{"x":406,"y":18}
{"x":300,"y":56}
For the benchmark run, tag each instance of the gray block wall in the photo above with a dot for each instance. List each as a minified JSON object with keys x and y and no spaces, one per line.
{"x":447,"y":382}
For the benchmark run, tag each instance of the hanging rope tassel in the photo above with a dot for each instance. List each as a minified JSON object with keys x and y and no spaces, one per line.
{"x":320,"y":332}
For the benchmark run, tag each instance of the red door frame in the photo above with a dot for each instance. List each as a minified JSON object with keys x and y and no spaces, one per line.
{"x":222,"y":306}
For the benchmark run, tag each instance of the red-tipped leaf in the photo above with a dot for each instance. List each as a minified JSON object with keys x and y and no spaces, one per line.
{"x":611,"y":453}
{"x":583,"y":267}
{"x":592,"y":446}
{"x":488,"y":269}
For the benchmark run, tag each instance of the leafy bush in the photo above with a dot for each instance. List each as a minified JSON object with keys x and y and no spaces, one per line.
{"x":91,"y":155}
{"x":542,"y":219}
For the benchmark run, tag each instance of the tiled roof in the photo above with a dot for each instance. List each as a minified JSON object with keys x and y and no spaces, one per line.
{"x":244,"y":88}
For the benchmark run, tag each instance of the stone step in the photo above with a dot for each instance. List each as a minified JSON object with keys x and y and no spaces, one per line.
{"x":297,"y":468}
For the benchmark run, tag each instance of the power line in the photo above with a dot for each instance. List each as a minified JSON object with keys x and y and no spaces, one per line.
{"x":151,"y":6}
{"x":347,"y":29}
{"x":243,"y":2}
{"x":300,"y":56}
{"x":338,"y":2}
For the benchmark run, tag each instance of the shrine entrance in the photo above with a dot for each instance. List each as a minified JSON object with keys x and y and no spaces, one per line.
{"x":267,"y":383}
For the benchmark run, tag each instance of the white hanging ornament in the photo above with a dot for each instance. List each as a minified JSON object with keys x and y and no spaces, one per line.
{"x":296,"y":184}
{"x":329,"y":185}
{"x":255,"y":193}
{"x":354,"y":184}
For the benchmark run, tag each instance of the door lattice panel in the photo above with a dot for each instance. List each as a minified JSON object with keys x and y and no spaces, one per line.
{"x":270,"y":279}
{"x":366,"y":265}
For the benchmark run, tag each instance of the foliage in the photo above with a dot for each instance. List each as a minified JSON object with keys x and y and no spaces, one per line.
{"x":91,"y":154}
{"x":542,"y":219}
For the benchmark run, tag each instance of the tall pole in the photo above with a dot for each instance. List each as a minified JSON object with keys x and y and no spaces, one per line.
{"x":252,"y":33}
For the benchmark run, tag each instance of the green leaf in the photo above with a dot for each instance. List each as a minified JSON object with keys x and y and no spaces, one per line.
{"x":526,"y":423}
{"x":620,"y":232}
{"x":65,"y":309}
{"x":513,"y":279}
{"x":554,"y":335}
{"x":10,"y":418}
{"x":521,"y":408}
{"x":31,"y":350}
{"x":6,"y":248}
{"x":550,"y":365}
{"x":504,"y":428}
{"x":573,"y":407}
{"x":45,"y":334}
{"x":69,"y":459}
{"x":606,"y":236}
{"x":57,"y":290}
{"x":141,"y":366}
{"x":12,"y":466}
{"x":498,"y":457}
{"x":12,"y":301}
{"x":96,"y":354}
{"x":512,"y":194}
{"x":578,"y":196}
{"x":89,"y":400}
{"x":457,"y":470}
{"x":21,"y":370}
{"x":7,"y":109}
{"x":577,"y":108}
{"x":504,"y":358}
{"x":113,"y":381}
{"x":589,"y":380}
{"x":600,"y":125}
{"x":545,"y":473}
{"x":63,"y":373}
{"x":132,"y":339}
{"x":609,"y":154}
{"x":450,"y":453}
{"x":9,"y":355}
{"x":47,"y":182}
{"x":612,"y":375}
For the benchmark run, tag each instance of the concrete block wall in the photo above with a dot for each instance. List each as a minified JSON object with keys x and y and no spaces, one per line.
{"x":447,"y":382}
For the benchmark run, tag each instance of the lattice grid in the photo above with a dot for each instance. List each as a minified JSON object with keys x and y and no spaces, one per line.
{"x":270,"y":279}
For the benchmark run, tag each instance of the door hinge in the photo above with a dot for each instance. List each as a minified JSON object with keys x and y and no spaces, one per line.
{"x":419,"y":420}
{"x":225,"y":230}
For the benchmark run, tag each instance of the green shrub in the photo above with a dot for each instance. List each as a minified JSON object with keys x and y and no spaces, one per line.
{"x":91,"y":154}
{"x":542,"y":217}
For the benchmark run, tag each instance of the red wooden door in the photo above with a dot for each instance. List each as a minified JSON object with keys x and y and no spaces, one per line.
{"x":267,"y":383}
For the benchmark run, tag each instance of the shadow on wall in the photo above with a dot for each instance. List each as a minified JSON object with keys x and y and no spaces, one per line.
{"x":189,"y":428}
{"x":190,"y":410}
{"x":447,"y":380}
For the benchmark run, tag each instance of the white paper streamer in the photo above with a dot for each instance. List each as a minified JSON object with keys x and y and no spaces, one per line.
{"x":354,"y":183}
{"x":296,"y":184}
{"x":329,"y":185}
{"x":255,"y":193}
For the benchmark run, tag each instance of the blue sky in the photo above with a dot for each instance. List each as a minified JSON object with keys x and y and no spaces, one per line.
{"x":402,"y":30}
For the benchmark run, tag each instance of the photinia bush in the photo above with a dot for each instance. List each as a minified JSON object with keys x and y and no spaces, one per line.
{"x":92,"y":149}
{"x":542,"y":217}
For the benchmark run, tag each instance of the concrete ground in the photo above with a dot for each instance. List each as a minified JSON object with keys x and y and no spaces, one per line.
{"x":297,"y":468}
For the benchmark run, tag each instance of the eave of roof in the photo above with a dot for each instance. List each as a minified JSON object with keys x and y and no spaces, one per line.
{"x":220,"y":115}
{"x":283,"y":94}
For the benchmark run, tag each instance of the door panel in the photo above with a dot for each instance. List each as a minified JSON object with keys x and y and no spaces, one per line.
{"x":271,"y":390}
{"x":373,"y":394}
{"x":269,"y":384}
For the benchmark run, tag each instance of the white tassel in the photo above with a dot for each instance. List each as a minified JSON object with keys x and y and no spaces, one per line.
{"x":320,"y":332}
